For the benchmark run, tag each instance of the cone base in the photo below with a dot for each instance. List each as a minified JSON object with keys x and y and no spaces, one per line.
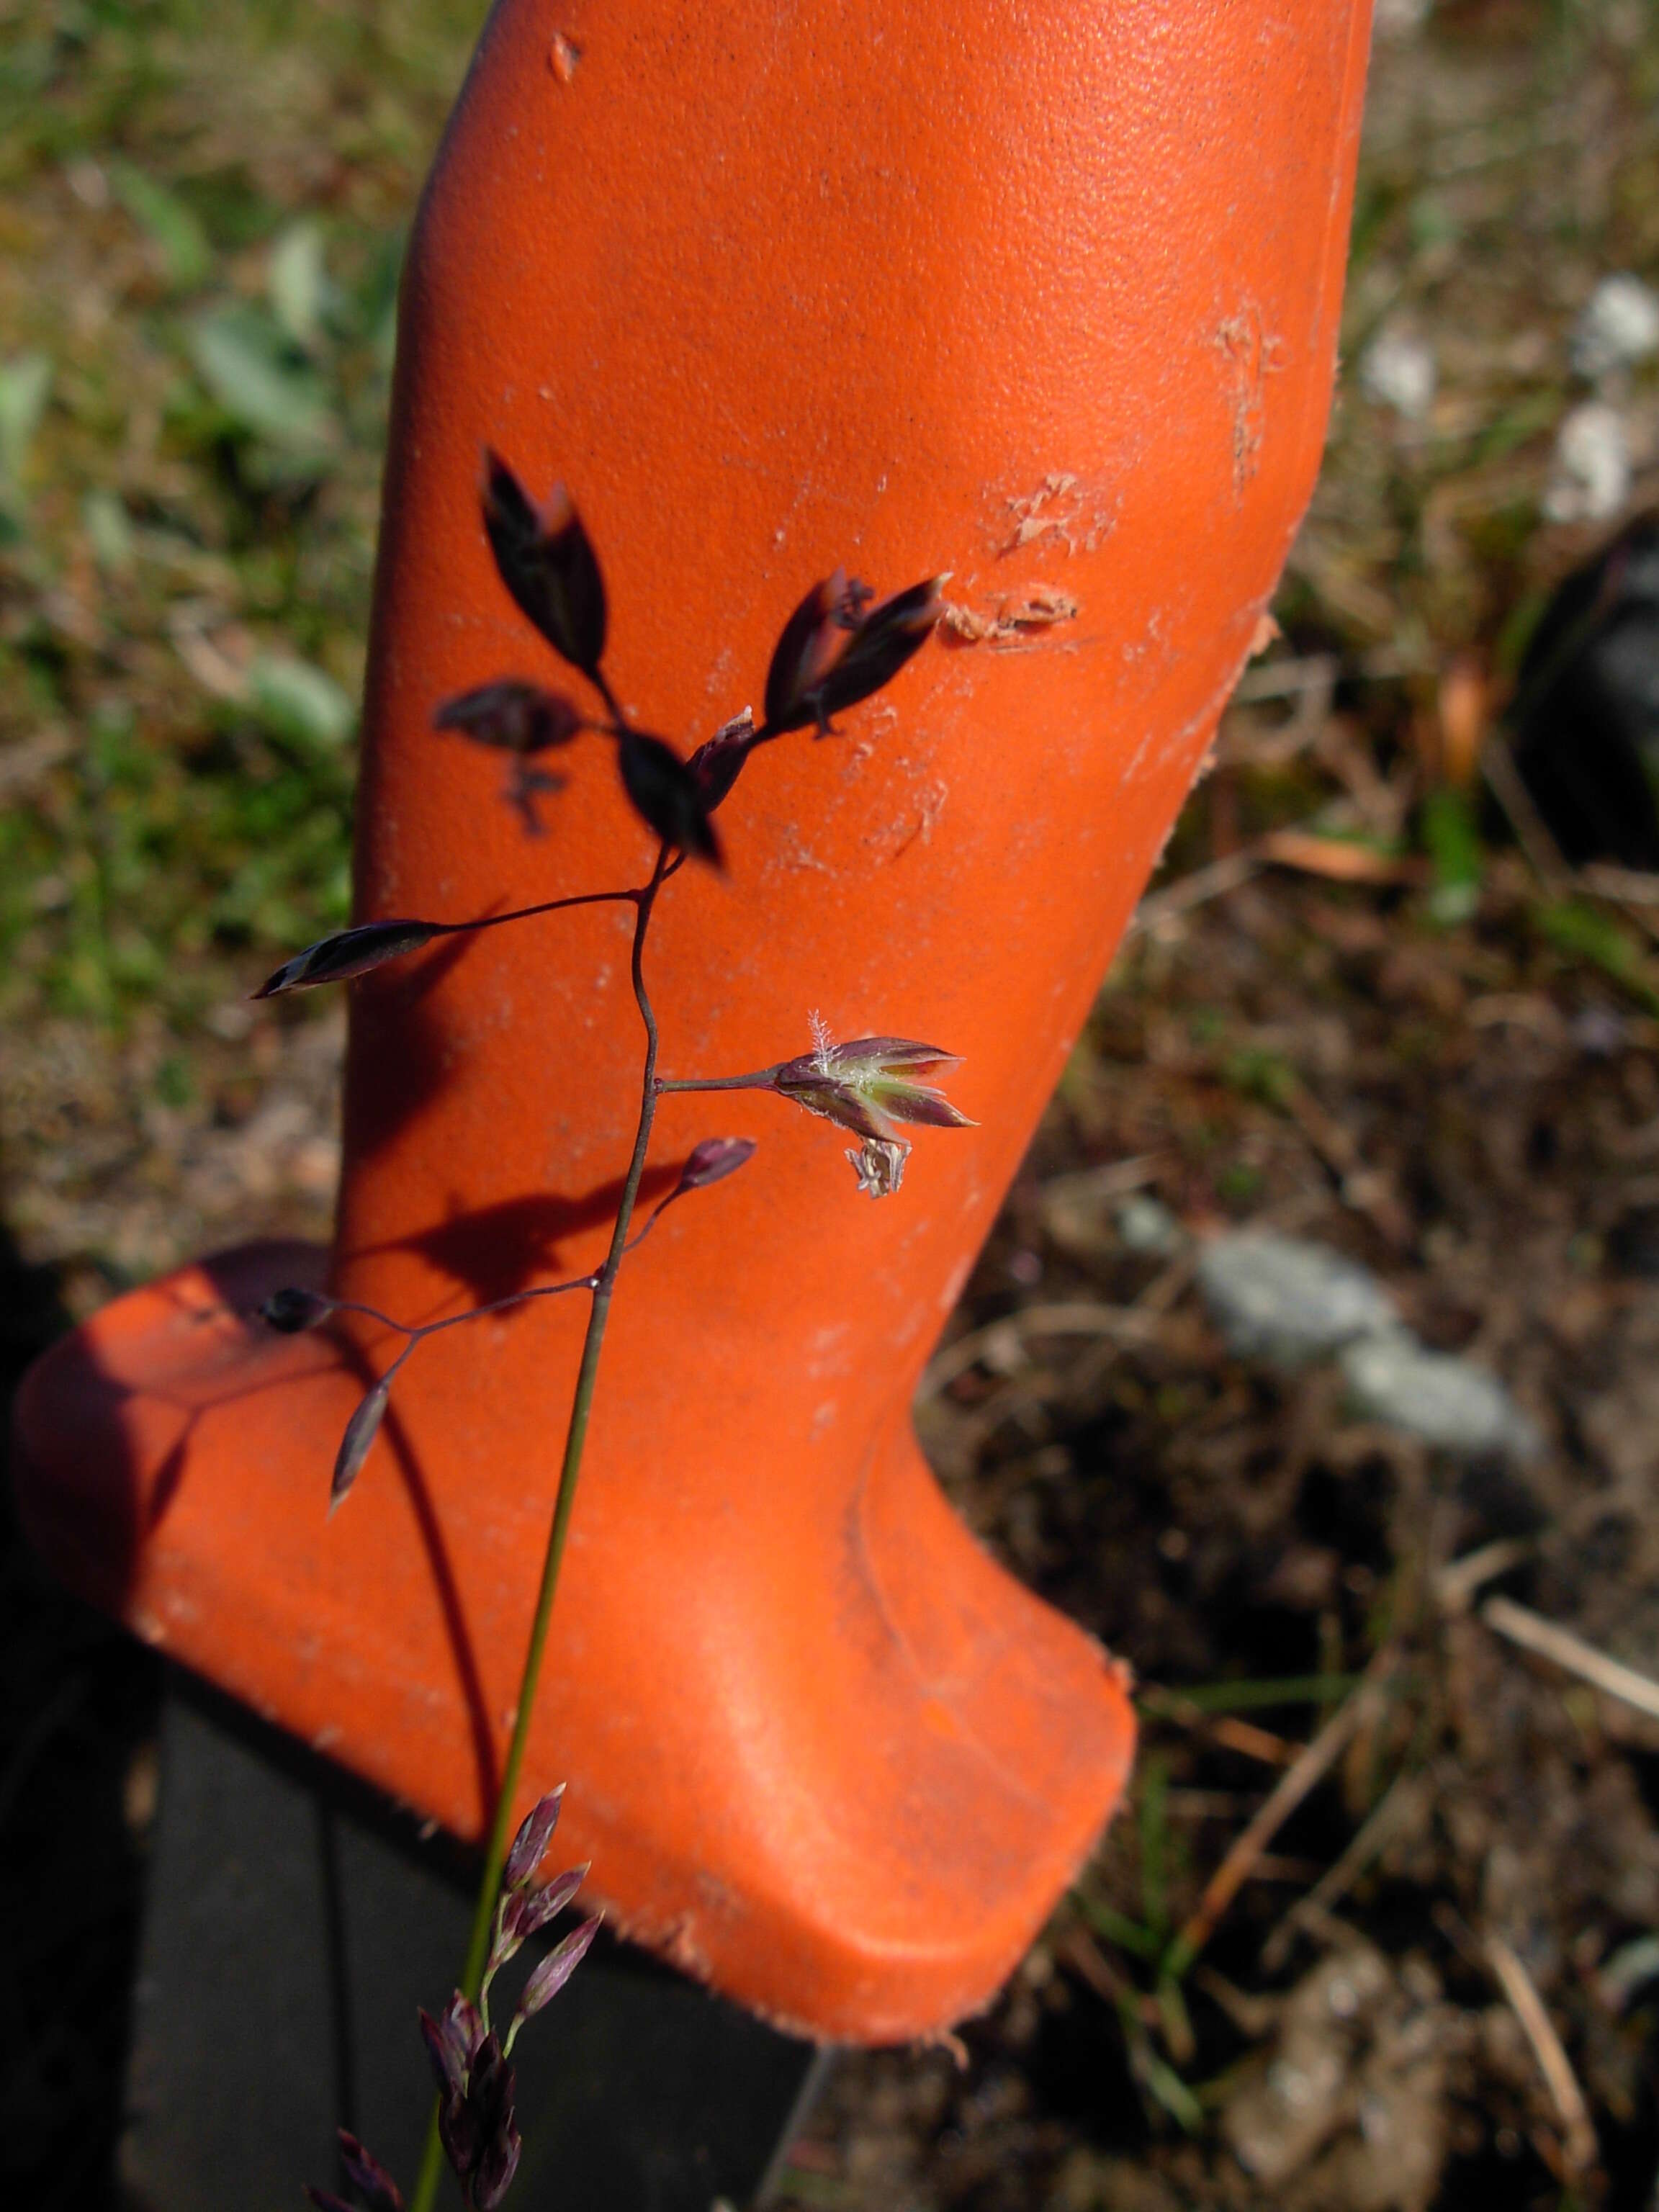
{"x":830,"y":1760}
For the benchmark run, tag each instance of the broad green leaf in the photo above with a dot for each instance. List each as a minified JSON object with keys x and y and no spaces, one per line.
{"x":25,"y":382}
{"x":297,"y":283}
{"x":1451,"y":837}
{"x":300,"y":703}
{"x":109,"y":530}
{"x":245,"y":361}
{"x":172,"y":228}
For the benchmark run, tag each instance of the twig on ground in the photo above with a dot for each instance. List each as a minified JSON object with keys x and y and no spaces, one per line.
{"x":1196,"y":889}
{"x":1314,"y":673}
{"x":1167,"y":1286}
{"x":1076,"y":1948}
{"x":1402,"y":1797}
{"x":1534,"y":1633}
{"x":1579,"y":2146}
{"x":1365,"y":1189}
{"x":1113,"y":1179}
{"x":1625,"y":886}
{"x":1456,"y":1584}
{"x":1241,"y":1737}
{"x":1340,"y":860}
{"x":1253,"y":2017}
{"x":1002,"y":1341}
{"x":24,"y":765}
{"x":1632,"y":891}
{"x":1312,"y":1765}
{"x":1313,"y":846}
{"x":1531,"y":832}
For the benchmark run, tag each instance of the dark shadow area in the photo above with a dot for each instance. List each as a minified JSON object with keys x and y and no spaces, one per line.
{"x":496,"y":1250}
{"x":276,"y":1872}
{"x":449,"y":1597}
{"x":82,"y":1499}
{"x":85,"y":1512}
{"x":398,"y":1052}
{"x":78,"y":1703}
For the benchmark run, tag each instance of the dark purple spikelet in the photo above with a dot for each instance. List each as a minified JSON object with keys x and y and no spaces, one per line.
{"x":665,"y":794}
{"x":512,"y":716}
{"x":459,"y":2134}
{"x":496,"y":2168}
{"x":808,"y":647}
{"x":538,"y":1907}
{"x":535,"y":1834}
{"x":719,"y":761}
{"x":464,"y":2022}
{"x":890,"y":634}
{"x":547,"y":562}
{"x":448,"y":2050}
{"x":476,"y":2121}
{"x":842,"y":1103}
{"x":367,"y":2176}
{"x":361,"y":1431}
{"x":348,"y":953}
{"x":713,"y":1160}
{"x":291,"y":1310}
{"x":550,"y":1975}
{"x":870,"y":1082}
{"x":494,"y":2159}
{"x":834,"y":650}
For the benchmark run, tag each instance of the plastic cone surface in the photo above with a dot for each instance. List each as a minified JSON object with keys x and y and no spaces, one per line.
{"x":1045,"y":297}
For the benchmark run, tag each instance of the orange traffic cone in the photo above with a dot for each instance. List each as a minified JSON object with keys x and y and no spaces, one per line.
{"x":1045,"y":298}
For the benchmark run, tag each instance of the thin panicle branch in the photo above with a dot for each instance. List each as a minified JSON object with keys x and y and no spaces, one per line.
{"x":838,"y":647}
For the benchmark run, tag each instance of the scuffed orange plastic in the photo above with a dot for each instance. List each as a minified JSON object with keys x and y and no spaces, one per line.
{"x":1045,"y":296}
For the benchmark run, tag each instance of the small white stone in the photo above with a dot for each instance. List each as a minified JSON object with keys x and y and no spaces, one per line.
{"x":1342,"y":1997}
{"x":1589,"y":477}
{"x":1398,"y":371}
{"x":1446,"y":1402}
{"x":1618,"y":327}
{"x":1399,"y":19}
{"x":1287,"y":1302}
{"x":1145,"y":1226}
